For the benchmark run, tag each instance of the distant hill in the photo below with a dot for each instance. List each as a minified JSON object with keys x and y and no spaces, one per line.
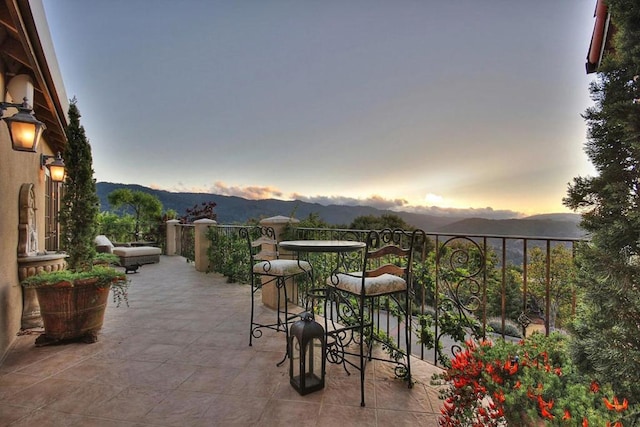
{"x":236,"y":210}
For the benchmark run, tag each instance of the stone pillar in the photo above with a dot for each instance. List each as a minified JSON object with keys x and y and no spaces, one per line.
{"x":270,"y":291}
{"x":172,"y":237}
{"x":202,"y":243}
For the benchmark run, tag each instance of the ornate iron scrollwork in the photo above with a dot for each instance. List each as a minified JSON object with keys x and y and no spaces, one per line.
{"x":461,"y":290}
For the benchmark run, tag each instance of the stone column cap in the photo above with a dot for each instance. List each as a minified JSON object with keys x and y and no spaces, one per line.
{"x":205,"y":221}
{"x":279,"y":219}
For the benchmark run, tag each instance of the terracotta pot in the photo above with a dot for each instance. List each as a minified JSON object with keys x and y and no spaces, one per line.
{"x":71,"y":312}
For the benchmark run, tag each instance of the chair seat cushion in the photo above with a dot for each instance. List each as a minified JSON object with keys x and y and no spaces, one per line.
{"x":136,"y":251}
{"x":379,"y":285}
{"x":281,"y":267}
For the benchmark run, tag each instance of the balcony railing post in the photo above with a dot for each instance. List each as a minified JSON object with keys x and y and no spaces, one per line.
{"x":172,"y":236}
{"x":202,"y":243}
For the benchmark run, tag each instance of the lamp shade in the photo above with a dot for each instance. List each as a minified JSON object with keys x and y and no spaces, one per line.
{"x":24,"y":130}
{"x":57,"y":171}
{"x":56,"y":167}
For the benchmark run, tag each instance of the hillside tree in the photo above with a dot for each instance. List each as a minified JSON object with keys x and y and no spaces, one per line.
{"x":562,"y":288}
{"x":373,"y":222}
{"x":143,"y":206}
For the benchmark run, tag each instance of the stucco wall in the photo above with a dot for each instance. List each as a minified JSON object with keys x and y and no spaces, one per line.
{"x":16,"y":168}
{"x":29,"y":29}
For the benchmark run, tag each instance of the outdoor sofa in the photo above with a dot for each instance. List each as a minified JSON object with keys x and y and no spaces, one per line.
{"x":130,"y":256}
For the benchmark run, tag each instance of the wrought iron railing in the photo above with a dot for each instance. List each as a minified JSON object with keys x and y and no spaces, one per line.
{"x":464,"y":285}
{"x":186,"y":241}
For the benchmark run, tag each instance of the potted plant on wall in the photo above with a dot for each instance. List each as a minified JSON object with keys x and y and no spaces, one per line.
{"x":73,"y":301}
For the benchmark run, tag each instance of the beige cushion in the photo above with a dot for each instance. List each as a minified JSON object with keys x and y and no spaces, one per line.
{"x":136,"y":251}
{"x":380,"y":285}
{"x":282,"y":267}
{"x":103,"y":241}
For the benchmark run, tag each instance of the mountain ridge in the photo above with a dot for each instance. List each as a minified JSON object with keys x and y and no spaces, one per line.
{"x":237,"y":210}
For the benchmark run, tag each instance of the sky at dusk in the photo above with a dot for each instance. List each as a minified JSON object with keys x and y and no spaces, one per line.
{"x":411,"y":105}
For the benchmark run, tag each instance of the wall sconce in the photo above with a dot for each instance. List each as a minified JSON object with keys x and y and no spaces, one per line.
{"x":24,"y":129}
{"x":56,"y":167}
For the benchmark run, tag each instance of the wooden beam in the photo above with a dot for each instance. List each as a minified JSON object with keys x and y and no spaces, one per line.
{"x":6,"y":20}
{"x":13,"y":48}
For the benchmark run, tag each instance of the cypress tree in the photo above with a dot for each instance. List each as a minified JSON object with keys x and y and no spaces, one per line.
{"x":607,"y":328}
{"x":80,"y":203}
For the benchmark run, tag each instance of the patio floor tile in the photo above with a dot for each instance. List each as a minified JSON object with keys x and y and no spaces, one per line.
{"x":179,"y":355}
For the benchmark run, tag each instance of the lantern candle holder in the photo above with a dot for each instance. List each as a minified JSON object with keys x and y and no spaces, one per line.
{"x":307,"y":347}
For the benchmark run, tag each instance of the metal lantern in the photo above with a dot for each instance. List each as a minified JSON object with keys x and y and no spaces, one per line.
{"x":306,"y":348}
{"x":24,"y":129}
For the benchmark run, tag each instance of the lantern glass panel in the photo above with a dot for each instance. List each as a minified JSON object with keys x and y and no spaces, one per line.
{"x":295,"y":362}
{"x":57,"y":173}
{"x":313,"y":354}
{"x":24,"y":136}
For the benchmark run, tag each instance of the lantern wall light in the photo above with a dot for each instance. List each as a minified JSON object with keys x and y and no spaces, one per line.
{"x":24,"y":129}
{"x":56,"y":167}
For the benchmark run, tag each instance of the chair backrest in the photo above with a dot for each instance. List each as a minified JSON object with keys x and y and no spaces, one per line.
{"x":261,"y":242}
{"x":391,"y":252}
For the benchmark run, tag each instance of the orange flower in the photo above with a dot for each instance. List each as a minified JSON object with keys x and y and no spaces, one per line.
{"x":595,"y":387}
{"x":543,"y":404}
{"x":460,"y":382}
{"x":511,"y":367}
{"x":616,"y":405}
{"x":546,"y":414}
{"x":585,"y":422}
{"x":517,"y":385}
{"x":567,"y":415}
{"x":558,"y":371}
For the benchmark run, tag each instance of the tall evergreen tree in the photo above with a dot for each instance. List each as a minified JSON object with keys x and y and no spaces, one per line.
{"x":607,"y":329}
{"x":80,"y":202}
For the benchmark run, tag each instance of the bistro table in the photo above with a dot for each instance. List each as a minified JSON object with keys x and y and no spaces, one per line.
{"x":339,"y":247}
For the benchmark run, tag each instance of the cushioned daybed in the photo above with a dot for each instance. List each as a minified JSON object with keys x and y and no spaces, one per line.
{"x":129,"y":256}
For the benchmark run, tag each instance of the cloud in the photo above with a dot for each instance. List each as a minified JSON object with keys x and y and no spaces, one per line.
{"x":402,"y":205}
{"x":251,"y":192}
{"x":487,"y":212}
{"x":259,"y":192}
{"x":181,"y":188}
{"x":373,"y":201}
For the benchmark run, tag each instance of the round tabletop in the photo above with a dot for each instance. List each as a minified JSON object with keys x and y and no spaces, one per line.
{"x":321,"y":245}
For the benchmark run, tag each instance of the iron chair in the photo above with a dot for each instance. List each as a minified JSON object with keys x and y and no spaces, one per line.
{"x":354,"y":297}
{"x":265,"y":267}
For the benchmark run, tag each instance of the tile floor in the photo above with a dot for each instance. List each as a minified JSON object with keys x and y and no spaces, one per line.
{"x":179,"y":356}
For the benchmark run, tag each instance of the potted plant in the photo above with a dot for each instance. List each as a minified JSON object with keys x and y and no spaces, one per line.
{"x":73,"y":301}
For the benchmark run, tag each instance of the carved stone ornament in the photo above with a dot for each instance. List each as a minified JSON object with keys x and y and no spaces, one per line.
{"x":27,"y":232}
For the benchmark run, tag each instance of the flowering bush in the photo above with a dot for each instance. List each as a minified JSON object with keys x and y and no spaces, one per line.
{"x":529,"y":383}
